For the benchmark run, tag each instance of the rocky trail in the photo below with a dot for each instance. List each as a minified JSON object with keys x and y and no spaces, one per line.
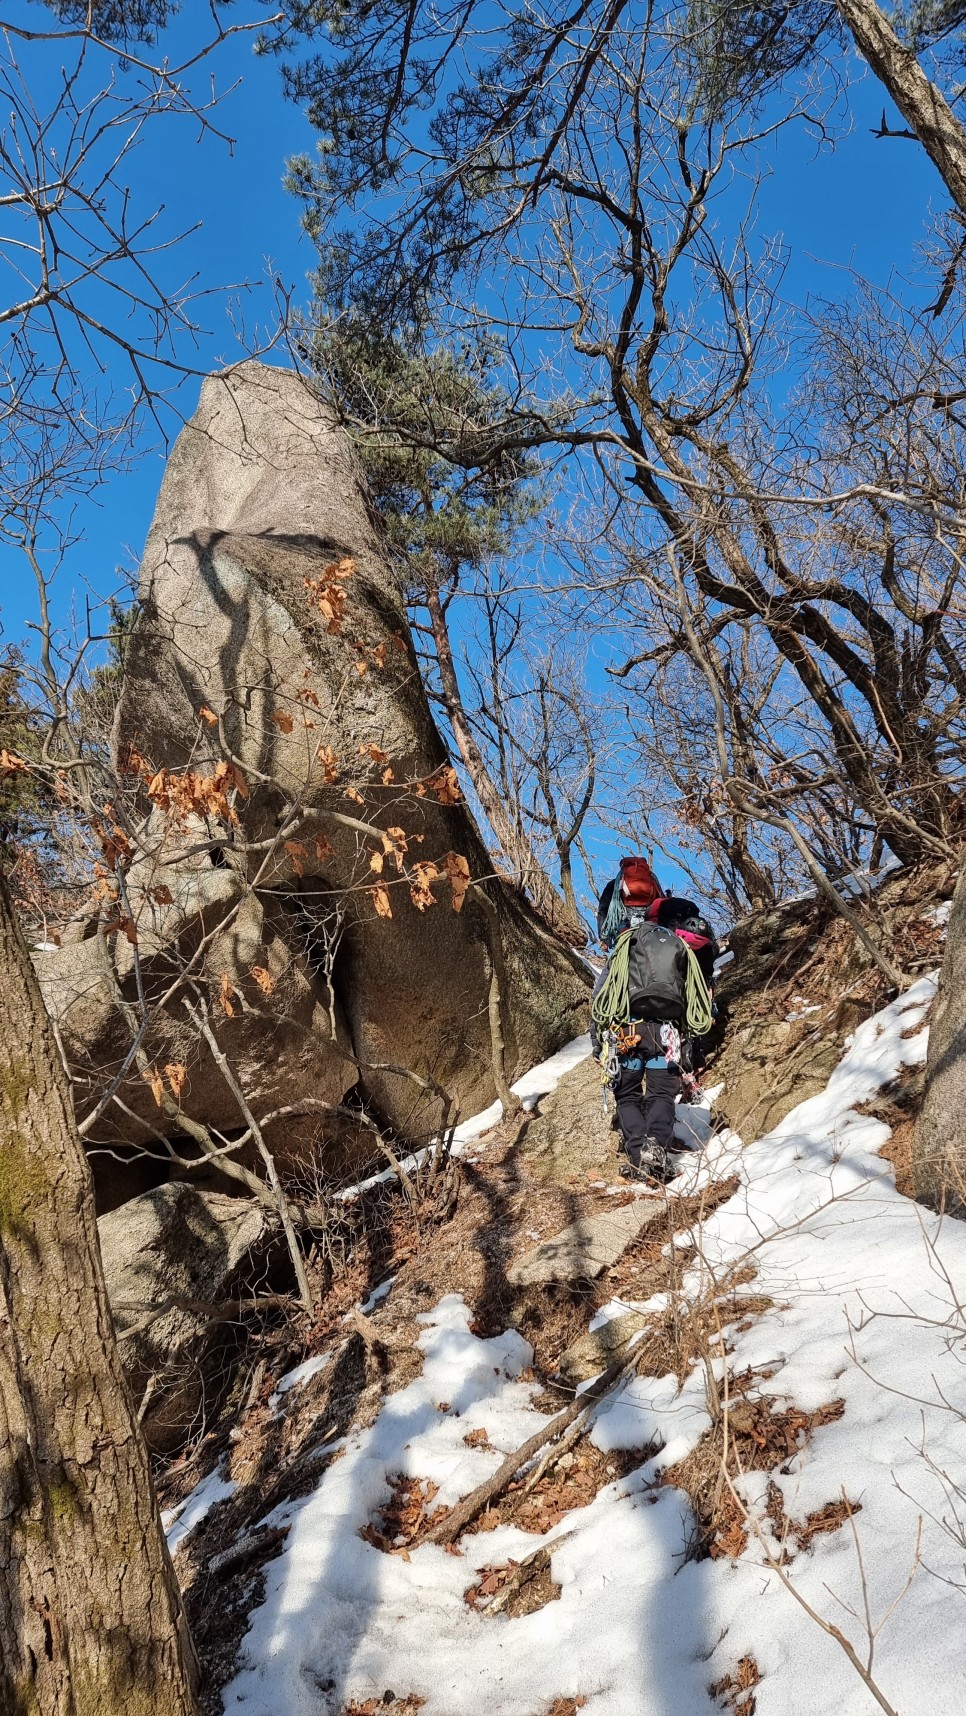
{"x":751,"y":1501}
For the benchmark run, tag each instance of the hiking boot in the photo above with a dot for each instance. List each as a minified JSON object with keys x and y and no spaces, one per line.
{"x":652,"y":1164}
{"x":640,"y":1175}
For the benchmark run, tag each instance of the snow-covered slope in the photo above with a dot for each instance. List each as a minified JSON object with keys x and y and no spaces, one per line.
{"x":866,"y":1290}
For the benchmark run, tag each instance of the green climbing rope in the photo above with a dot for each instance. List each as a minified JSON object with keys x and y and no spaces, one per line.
{"x":612,"y":1005}
{"x":700,"y":1014}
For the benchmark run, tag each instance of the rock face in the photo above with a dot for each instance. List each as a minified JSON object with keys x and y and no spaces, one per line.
{"x":166,"y":1255}
{"x":587,"y":1247}
{"x":592,"y":1353}
{"x":940,"y":1141}
{"x":272,"y":637}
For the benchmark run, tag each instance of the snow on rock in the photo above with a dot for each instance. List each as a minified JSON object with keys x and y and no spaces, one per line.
{"x":296,"y":1378}
{"x":540,"y":1081}
{"x":179,"y":1521}
{"x":865,"y":1289}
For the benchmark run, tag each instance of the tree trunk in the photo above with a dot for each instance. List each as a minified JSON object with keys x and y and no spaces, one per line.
{"x":923,"y":107}
{"x":530,"y":873}
{"x":90,"y":1613}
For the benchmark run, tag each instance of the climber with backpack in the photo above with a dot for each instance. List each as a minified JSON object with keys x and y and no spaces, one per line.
{"x":651,"y":1006}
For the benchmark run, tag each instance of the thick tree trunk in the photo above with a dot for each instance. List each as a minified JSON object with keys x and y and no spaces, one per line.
{"x":923,"y":107}
{"x":530,"y":873}
{"x":91,"y":1619}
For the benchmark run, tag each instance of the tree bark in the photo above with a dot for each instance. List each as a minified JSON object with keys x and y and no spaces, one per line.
{"x":923,"y":106}
{"x":530,"y":873}
{"x":91,"y":1619}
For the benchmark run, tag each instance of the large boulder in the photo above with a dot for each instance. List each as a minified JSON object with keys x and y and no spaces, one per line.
{"x":272,"y":635}
{"x":172,"y":1257}
{"x":940,"y":1140}
{"x":80,"y":982}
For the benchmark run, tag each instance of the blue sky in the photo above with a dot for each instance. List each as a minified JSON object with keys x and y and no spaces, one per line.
{"x":246,"y":221}
{"x":861,"y":205}
{"x":858,"y":205}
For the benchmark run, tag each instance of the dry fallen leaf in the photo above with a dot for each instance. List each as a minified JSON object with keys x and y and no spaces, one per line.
{"x":282,"y":720}
{"x":226,"y":990}
{"x":381,"y":901}
{"x":420,"y":891}
{"x":264,"y":979}
{"x":458,"y":871}
{"x":176,"y":1075}
{"x":445,"y":784}
{"x":206,"y":714}
{"x":376,"y":863}
{"x":296,"y":852}
{"x":152,"y":1077}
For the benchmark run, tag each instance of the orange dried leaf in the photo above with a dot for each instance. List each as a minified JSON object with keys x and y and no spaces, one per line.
{"x":11,"y":764}
{"x":328,"y":760}
{"x":323,"y":848}
{"x":387,"y":777}
{"x":163,"y":895}
{"x":241,"y":785}
{"x":206,"y":714}
{"x":445,"y":784}
{"x":152,"y":1077}
{"x":458,"y":871}
{"x":376,"y":863}
{"x":176,"y":1075}
{"x":264,"y":979}
{"x":420,"y":892}
{"x":282,"y":720}
{"x":356,"y":797}
{"x":296,"y":852}
{"x":381,"y":901}
{"x":226,"y":990}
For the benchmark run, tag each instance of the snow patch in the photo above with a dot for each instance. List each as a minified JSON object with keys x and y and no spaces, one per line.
{"x":297,"y":1378}
{"x":179,"y":1521}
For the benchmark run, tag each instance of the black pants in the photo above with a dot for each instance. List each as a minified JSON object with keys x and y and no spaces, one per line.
{"x":645,"y":1095}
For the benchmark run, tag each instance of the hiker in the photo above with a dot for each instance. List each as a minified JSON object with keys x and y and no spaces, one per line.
{"x":651,"y":1006}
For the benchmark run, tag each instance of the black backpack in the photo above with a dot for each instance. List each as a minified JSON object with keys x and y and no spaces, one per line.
{"x":657,"y":971}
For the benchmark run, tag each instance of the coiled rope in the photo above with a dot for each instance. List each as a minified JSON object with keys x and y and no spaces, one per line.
{"x":612,"y":1003}
{"x":700,"y":1013}
{"x":616,"y":917}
